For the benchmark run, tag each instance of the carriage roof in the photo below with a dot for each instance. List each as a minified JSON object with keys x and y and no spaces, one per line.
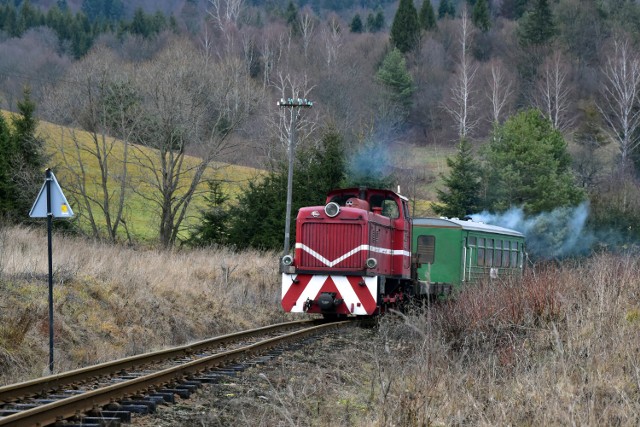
{"x":465,"y":225}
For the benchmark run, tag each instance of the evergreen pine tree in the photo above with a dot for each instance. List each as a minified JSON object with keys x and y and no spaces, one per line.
{"x":393,"y":74}
{"x":405,"y":30}
{"x":528,"y":165}
{"x":62,"y":5}
{"x":27,"y":159}
{"x":427,"y":16}
{"x":140,"y":24}
{"x":375,"y":22}
{"x":371,"y":23}
{"x":462,"y":197}
{"x":480,"y":16}
{"x":213,"y":225}
{"x":28,"y":146}
{"x":291,"y":16}
{"x":446,"y":9}
{"x":8,"y":190}
{"x":378,"y":22}
{"x":537,"y":27}
{"x":356,"y":24}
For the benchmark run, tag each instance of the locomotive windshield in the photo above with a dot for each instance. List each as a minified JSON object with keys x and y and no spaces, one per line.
{"x":342,"y":198}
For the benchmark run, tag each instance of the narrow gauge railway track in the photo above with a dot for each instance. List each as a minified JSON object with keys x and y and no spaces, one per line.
{"x":39,"y":402}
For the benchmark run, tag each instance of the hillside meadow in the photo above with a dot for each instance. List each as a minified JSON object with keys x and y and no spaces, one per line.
{"x":69,"y":148}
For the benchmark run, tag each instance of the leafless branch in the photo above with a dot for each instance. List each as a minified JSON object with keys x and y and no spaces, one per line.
{"x":553,"y":92}
{"x":620,"y":91}
{"x":461,"y":106}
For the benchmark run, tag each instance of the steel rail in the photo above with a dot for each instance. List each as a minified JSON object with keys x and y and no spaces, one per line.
{"x":43,"y":385}
{"x":65,"y":408}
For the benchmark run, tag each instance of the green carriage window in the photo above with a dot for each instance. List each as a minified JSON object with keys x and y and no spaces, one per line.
{"x":514,"y":254}
{"x":489,"y":258}
{"x":506,"y":255}
{"x":498,"y":254}
{"x":426,"y":249}
{"x":520,"y":254}
{"x":480,"y":252}
{"x":472,"y":241}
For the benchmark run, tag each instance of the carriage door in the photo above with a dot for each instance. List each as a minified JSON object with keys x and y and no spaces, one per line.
{"x":470,"y":249}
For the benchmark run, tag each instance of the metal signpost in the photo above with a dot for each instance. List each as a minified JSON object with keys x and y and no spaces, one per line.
{"x":50,"y":203}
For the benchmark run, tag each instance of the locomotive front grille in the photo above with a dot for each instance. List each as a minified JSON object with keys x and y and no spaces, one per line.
{"x":321,"y":238}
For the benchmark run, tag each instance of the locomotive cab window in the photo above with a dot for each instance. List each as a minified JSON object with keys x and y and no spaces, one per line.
{"x":390,"y":209}
{"x":340,"y":200}
{"x":388,"y":205}
{"x":426,"y":249}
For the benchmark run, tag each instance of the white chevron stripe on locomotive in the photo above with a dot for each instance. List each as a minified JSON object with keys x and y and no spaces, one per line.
{"x":338,"y":260}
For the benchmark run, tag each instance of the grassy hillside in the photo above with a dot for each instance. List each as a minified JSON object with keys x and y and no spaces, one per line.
{"x":141,"y":215}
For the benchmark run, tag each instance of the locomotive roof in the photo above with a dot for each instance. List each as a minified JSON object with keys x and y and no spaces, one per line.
{"x":465,"y":225}
{"x":357,"y":190}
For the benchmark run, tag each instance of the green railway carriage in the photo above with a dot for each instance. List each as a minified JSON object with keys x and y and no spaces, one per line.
{"x":451,"y":252}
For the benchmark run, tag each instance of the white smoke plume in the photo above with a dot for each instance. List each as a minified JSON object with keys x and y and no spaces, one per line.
{"x":549,"y":235}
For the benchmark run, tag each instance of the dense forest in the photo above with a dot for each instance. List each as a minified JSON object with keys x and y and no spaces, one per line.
{"x":478,"y":76}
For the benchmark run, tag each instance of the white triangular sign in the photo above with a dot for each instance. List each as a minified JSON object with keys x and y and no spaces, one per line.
{"x":60,"y":207}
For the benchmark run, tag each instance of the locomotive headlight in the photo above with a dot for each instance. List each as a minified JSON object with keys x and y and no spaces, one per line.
{"x":332,"y":209}
{"x":287,"y":260}
{"x":372,"y":263}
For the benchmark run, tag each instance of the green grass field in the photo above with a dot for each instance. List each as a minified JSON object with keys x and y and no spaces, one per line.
{"x":69,"y":148}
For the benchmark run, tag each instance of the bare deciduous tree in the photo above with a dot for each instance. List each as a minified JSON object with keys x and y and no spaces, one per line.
{"x":460,"y":105}
{"x":224,"y":12}
{"x":307,"y":25}
{"x":97,"y":98}
{"x":189,"y":107}
{"x":274,"y":44}
{"x":553,"y":93}
{"x":333,"y":40}
{"x":500,"y":91}
{"x":620,"y":91}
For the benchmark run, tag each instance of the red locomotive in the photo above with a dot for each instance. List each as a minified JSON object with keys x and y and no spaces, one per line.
{"x":352,"y":255}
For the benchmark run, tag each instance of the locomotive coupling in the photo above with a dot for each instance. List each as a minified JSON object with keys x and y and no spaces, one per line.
{"x":327,"y":301}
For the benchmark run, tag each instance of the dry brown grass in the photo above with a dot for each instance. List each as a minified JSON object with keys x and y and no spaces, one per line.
{"x":559,"y":348}
{"x":562,"y":348}
{"x":112,"y":301}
